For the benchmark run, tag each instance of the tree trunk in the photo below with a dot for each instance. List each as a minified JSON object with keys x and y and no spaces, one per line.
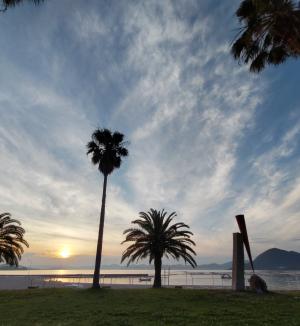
{"x":157,"y":276}
{"x":96,"y":277}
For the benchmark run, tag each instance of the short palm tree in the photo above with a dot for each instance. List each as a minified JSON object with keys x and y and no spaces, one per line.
{"x":5,"y":4}
{"x":107,"y":150}
{"x":156,"y":237}
{"x":11,"y":240}
{"x":270,"y":33}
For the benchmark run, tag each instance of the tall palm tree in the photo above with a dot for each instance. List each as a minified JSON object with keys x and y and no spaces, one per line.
{"x":270,"y":32}
{"x":11,"y":240}
{"x":156,"y":237}
{"x":5,"y":4}
{"x":107,"y":150}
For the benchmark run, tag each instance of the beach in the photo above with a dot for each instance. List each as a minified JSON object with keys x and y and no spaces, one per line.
{"x":129,"y":278}
{"x":25,"y":282}
{"x":39,"y":282}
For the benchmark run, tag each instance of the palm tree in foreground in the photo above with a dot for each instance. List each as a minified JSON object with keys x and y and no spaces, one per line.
{"x":270,"y":33}
{"x":11,"y":240}
{"x":107,"y":150}
{"x":156,"y":237}
{"x":5,"y":4}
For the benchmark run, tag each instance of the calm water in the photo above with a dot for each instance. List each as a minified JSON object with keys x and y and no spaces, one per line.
{"x":276,"y":280}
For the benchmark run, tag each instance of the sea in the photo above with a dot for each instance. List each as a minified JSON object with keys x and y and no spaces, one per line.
{"x":276,"y":280}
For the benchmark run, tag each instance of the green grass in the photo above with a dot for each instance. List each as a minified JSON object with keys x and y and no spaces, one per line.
{"x":147,"y":307}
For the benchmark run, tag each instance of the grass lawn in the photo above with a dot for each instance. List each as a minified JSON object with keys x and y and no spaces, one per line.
{"x":147,"y":307}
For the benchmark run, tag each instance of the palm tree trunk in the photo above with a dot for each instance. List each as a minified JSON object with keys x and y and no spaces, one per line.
{"x":157,"y":276}
{"x":96,"y":277}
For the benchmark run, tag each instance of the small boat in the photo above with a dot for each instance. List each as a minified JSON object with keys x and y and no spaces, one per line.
{"x":145,"y":279}
{"x":226,"y":277}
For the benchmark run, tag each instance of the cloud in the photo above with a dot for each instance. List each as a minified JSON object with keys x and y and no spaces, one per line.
{"x":191,"y":125}
{"x":160,"y":72}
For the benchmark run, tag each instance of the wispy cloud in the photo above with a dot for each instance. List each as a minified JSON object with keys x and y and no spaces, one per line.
{"x":161,"y":73}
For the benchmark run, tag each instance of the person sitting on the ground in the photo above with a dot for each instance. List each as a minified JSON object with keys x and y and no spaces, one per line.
{"x":257,"y":284}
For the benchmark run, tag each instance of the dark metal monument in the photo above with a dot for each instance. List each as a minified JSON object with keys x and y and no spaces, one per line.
{"x":238,"y":266}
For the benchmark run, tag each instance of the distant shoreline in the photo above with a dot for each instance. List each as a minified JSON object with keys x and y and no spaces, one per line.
{"x":142,"y":267}
{"x":272,"y":259}
{"x":22,"y":279}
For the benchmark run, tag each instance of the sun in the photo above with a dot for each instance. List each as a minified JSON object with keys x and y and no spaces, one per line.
{"x":64,"y":253}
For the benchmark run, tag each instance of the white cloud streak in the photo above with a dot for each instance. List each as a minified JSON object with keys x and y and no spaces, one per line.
{"x":186,"y":111}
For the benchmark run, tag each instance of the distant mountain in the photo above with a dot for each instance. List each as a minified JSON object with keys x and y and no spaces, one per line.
{"x":212,"y":266}
{"x":215,"y":266}
{"x":5,"y":267}
{"x":274,"y":258}
{"x":278,"y":259}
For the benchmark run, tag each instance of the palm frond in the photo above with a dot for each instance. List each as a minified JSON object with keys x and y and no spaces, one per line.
{"x":11,"y":240}
{"x":5,"y":4}
{"x":117,"y":138}
{"x":156,"y":236}
{"x":106,"y":150}
{"x":270,"y":33}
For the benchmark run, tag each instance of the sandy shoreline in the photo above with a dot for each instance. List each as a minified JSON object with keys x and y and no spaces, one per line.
{"x":26,"y":282}
{"x":19,"y":282}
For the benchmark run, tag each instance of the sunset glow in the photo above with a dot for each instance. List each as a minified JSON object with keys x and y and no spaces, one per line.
{"x":64,"y":253}
{"x":206,"y":138}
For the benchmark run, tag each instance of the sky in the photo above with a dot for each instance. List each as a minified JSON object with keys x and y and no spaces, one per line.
{"x":207,"y":138}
